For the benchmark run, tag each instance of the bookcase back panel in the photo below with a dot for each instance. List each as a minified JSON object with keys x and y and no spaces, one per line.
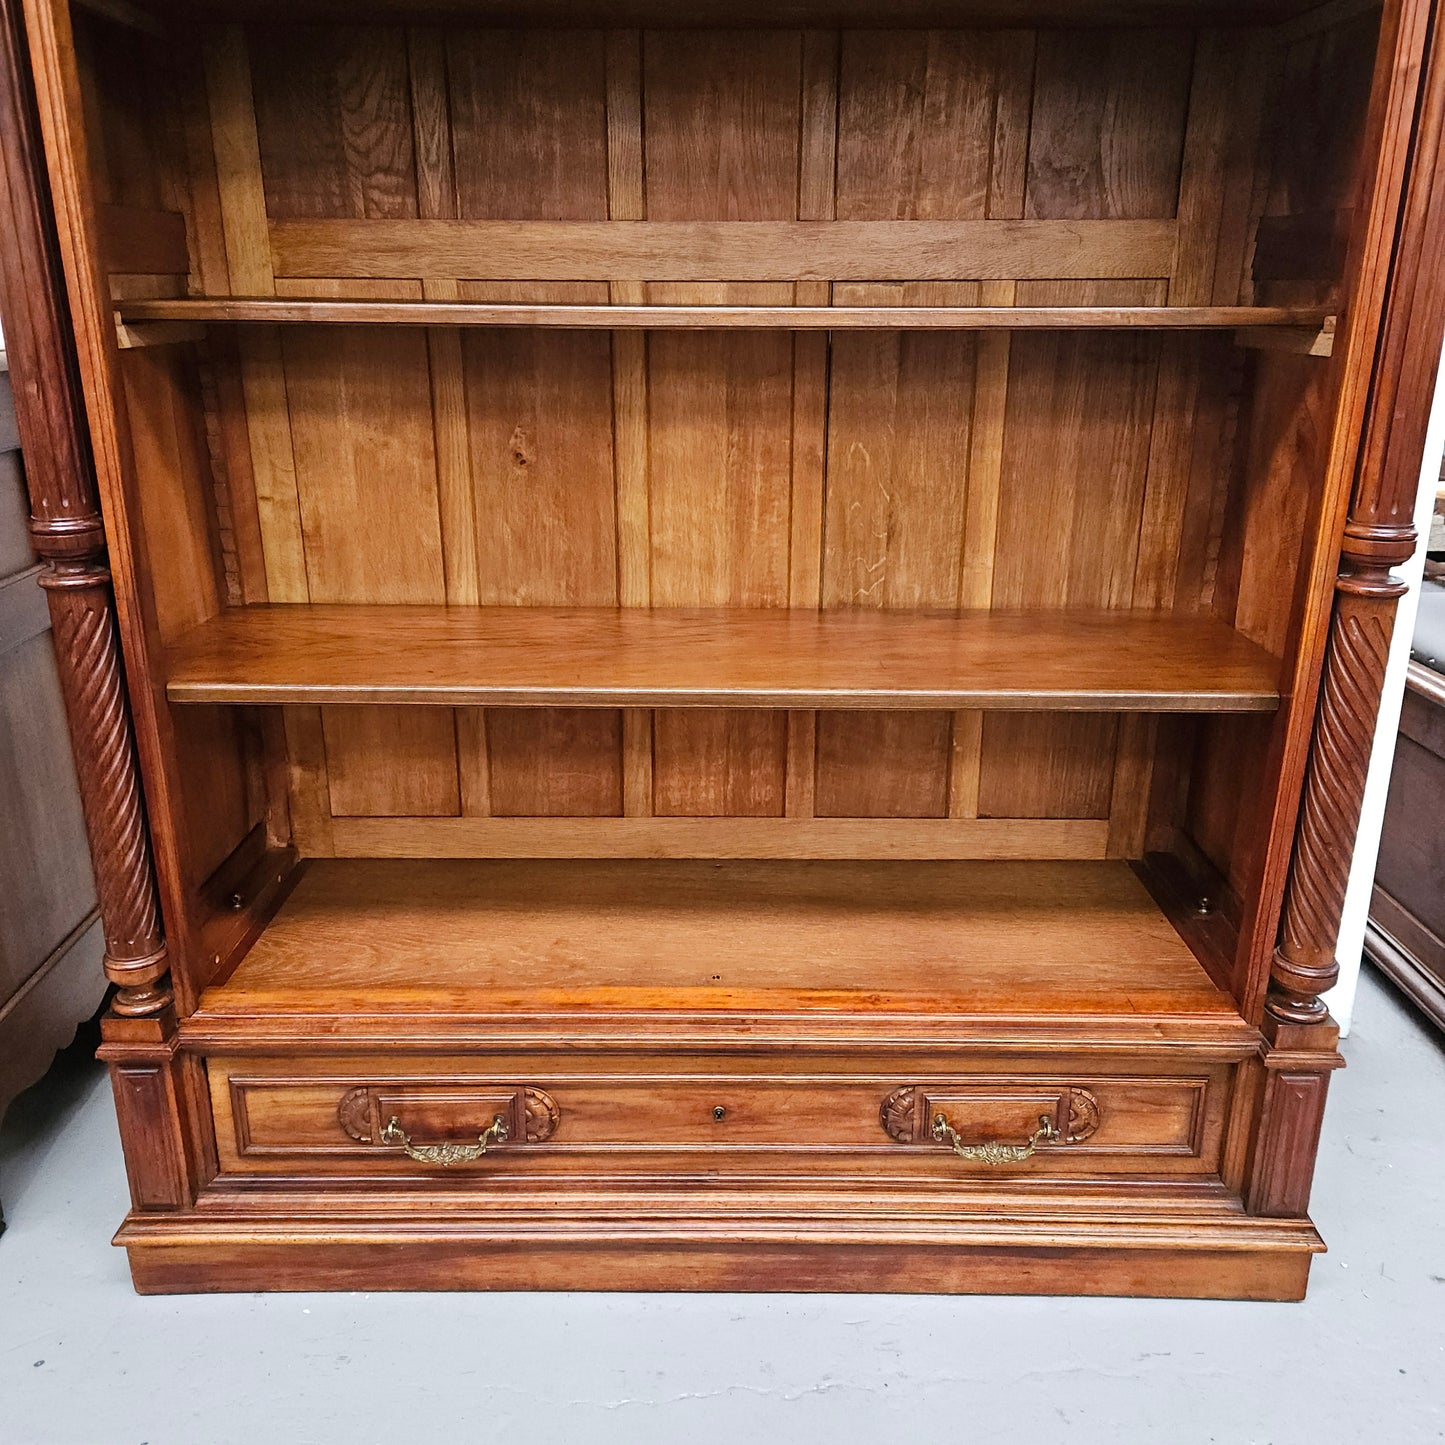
{"x":1055,"y":469}
{"x":735,"y":469}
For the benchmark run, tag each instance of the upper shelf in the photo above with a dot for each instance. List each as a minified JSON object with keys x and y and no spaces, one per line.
{"x":1311,"y":325}
{"x":740,"y":657}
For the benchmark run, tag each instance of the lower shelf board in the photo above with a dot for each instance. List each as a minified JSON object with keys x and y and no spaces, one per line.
{"x":430,"y":949}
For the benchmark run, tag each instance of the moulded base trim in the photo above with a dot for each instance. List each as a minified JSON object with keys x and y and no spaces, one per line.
{"x":1187,"y":1258}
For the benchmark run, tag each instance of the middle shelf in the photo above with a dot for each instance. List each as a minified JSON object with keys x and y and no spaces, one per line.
{"x":722,"y":657}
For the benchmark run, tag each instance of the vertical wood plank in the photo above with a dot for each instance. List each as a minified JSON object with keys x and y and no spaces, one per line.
{"x":637,"y":745}
{"x":248,"y":263}
{"x":436,"y":199}
{"x":1133,"y":773}
{"x":529,"y":115}
{"x":310,"y":801}
{"x":751,"y":743}
{"x":555,"y":762}
{"x":366,"y":464}
{"x":882,"y":764}
{"x":722,"y":121}
{"x":1036,"y":768}
{"x":1106,"y":137}
{"x":965,"y":764}
{"x":391,"y":762}
{"x":627,"y":201}
{"x":334,"y":116}
{"x":238,"y":162}
{"x":436,"y":182}
{"x":799,"y":800}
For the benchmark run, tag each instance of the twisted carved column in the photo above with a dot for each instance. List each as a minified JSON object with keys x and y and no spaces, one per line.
{"x":69,"y":536}
{"x":1365,"y":598}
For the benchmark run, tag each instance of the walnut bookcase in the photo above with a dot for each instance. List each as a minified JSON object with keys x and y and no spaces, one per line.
{"x":741,"y":655}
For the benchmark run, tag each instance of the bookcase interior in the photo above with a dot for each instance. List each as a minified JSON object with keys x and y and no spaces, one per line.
{"x":438,"y":492}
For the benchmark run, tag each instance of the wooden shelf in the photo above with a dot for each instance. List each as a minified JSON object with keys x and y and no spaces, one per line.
{"x":758,"y":657}
{"x":506,"y":939}
{"x":1309,"y":323}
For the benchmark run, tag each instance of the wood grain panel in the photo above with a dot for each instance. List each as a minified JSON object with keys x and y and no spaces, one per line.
{"x":916,"y":124}
{"x":555,"y":762}
{"x":619,"y":837}
{"x":333,"y":115}
{"x":391,"y":762}
{"x":1037,"y":766}
{"x":916,"y":143}
{"x":360,"y":407}
{"x":364,"y":443}
{"x":529,"y":125}
{"x":898,"y":460}
{"x":722,"y":114}
{"x":882,"y":764}
{"x":528,"y":115}
{"x":719,"y":762}
{"x":1075,"y":467}
{"x":722,"y":117}
{"x":1108,"y":115}
{"x":715,"y":251}
{"x":173,"y":481}
{"x":1106,"y":142}
{"x":539,"y":433}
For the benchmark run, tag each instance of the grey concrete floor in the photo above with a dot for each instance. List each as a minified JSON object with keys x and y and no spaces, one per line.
{"x":84,"y":1361}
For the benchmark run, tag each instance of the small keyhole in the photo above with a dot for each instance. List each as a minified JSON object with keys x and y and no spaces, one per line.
{"x":719,"y":1112}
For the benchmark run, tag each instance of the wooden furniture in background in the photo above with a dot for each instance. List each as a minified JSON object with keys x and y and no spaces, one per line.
{"x":724,"y":625}
{"x":50,"y":942}
{"x":1405,"y":937}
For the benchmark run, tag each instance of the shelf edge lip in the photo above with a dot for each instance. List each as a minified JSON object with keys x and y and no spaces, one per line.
{"x":324,"y":311}
{"x":182,"y":691}
{"x":1220,"y":1038}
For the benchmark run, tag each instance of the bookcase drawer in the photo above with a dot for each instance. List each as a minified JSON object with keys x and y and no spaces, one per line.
{"x":770,"y":1117}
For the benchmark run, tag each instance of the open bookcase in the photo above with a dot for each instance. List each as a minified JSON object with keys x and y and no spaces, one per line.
{"x":722,"y":624}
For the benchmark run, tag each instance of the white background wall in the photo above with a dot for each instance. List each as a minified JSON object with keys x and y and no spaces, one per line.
{"x":1341,"y":998}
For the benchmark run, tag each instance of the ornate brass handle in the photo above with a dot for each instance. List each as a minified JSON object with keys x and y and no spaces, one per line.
{"x":992,"y":1153}
{"x":445,"y":1154}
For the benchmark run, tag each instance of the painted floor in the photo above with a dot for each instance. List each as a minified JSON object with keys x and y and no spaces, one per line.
{"x":84,"y":1361}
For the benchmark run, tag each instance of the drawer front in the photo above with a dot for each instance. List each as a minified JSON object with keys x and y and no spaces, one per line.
{"x":399,"y":1117}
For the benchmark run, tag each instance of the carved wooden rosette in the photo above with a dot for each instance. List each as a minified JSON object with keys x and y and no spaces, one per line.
{"x":69,"y":536}
{"x":1366,"y":595}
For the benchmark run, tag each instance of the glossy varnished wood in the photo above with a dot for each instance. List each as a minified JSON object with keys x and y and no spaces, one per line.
{"x":663,"y":317}
{"x":961,"y":938}
{"x":607,"y":657}
{"x":930,"y":329}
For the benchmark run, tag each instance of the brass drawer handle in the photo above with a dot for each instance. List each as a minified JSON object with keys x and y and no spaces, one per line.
{"x":992,"y":1153}
{"x":448,"y":1153}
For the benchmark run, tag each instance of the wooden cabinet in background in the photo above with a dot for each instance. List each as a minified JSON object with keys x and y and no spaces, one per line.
{"x":750,"y":646}
{"x":1405,"y":938}
{"x":50,"y":938}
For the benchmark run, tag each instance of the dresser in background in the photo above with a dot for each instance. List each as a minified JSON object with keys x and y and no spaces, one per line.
{"x":50,"y":941}
{"x":1406,"y":935}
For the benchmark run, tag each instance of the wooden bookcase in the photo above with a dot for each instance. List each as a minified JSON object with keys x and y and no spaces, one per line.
{"x":723,"y":624}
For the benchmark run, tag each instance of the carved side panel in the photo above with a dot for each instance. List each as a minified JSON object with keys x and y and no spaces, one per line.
{"x":1289,"y":1135}
{"x":70,"y":537}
